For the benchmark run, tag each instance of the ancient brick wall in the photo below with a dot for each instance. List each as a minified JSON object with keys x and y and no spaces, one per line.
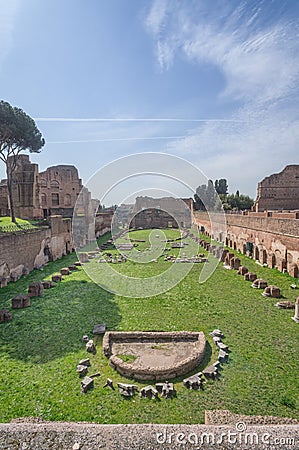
{"x":271,"y":240}
{"x":22,"y":252}
{"x":162,"y":212}
{"x":21,"y":248}
{"x":279,"y":191}
{"x":25,"y":188}
{"x":4,"y":211}
{"x":59,"y":186}
{"x":103,"y":223}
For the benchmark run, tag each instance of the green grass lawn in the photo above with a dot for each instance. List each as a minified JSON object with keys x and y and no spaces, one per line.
{"x":41,"y":346}
{"x":6,"y":225}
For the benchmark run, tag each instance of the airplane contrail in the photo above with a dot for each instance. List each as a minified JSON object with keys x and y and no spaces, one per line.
{"x":83,"y":141}
{"x":103,"y":119}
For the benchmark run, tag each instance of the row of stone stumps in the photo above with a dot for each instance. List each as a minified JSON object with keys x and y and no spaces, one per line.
{"x":230,"y":261}
{"x":35,"y":289}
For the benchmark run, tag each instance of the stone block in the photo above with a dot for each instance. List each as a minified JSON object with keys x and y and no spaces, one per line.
{"x":47,"y":284}
{"x":20,"y":301}
{"x":210,"y":372}
{"x":272,"y":291}
{"x":149,"y":392}
{"x":86,"y":384}
{"x":242,"y":270}
{"x":99,"y":328}
{"x":166,"y":389}
{"x":56,"y":278}
{"x":5,"y":315}
{"x":235,"y":263}
{"x":65,"y":271}
{"x":250,"y":276}
{"x":82,"y":370}
{"x":36,"y":289}
{"x":85,"y":362}
{"x":127,"y":390}
{"x":83,"y":257}
{"x":259,"y":283}
{"x":193,"y":382}
{"x":90,"y":347}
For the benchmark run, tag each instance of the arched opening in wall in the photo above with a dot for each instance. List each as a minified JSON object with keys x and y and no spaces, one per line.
{"x":235,"y":246}
{"x":264,"y":257}
{"x":220,"y":236}
{"x":230,"y":243}
{"x":67,"y":200}
{"x":249,"y":248}
{"x":289,"y":258}
{"x":68,"y":247}
{"x":273,"y":261}
{"x":244,"y":249}
{"x":256,"y":253}
{"x":48,"y":253}
{"x":43,"y":182}
{"x":226,"y":242}
{"x":54,"y":184}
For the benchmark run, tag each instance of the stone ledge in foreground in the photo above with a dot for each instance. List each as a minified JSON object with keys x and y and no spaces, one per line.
{"x":36,"y":435}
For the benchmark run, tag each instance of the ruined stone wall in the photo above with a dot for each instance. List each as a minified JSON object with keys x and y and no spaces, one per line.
{"x":191,"y":362}
{"x":279,"y":191}
{"x":59,"y":186}
{"x":163,"y":212}
{"x":103,"y":223}
{"x":25,"y":188}
{"x":20,"y":249}
{"x":271,"y":240}
{"x":22,"y":252}
{"x":4,"y":211}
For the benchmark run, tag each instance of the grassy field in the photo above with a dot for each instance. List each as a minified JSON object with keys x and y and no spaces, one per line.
{"x":41,"y":346}
{"x":7,"y":226}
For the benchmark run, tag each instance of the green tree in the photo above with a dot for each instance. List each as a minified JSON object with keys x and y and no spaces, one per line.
{"x":18,"y":133}
{"x":221,"y":186}
{"x":205,"y":197}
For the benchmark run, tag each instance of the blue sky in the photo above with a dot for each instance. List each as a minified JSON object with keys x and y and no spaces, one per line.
{"x":229,"y":69}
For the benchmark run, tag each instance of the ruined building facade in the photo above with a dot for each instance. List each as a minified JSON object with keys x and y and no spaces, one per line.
{"x":39,"y":195}
{"x":279,"y":191}
{"x":59,"y":189}
{"x":162,"y":212}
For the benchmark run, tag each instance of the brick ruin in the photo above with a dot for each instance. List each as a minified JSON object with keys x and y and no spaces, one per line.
{"x":162,"y":212}
{"x":39,"y":195}
{"x":59,"y":189}
{"x":279,"y":191}
{"x":270,"y":238}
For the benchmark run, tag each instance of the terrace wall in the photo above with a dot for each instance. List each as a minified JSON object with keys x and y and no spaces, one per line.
{"x":21,"y":252}
{"x":271,"y":240}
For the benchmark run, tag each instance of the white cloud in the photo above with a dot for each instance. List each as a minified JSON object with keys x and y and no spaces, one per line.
{"x":157,"y":16}
{"x":8,"y":12}
{"x":258,"y":57}
{"x":256,"y":60}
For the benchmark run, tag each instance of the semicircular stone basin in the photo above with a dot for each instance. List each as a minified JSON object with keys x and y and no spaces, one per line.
{"x":154,"y":355}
